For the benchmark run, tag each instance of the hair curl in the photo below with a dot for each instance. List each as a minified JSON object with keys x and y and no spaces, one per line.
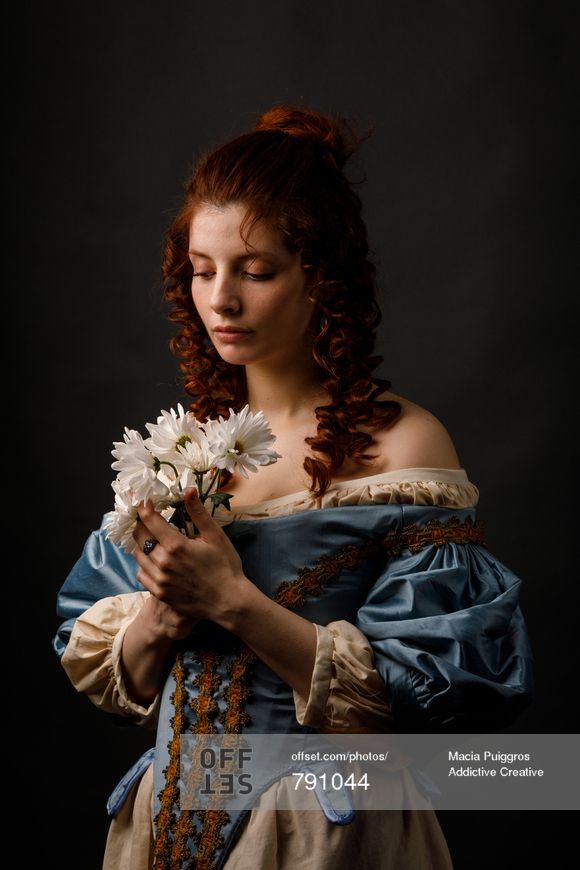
{"x":288,"y":172}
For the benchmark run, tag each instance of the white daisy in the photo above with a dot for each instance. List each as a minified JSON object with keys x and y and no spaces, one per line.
{"x":243,"y":440}
{"x":137,"y":468}
{"x":120,"y":523}
{"x":195,"y":455}
{"x":172,"y":431}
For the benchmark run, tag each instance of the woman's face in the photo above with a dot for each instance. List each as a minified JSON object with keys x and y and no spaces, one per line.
{"x":254,"y":304}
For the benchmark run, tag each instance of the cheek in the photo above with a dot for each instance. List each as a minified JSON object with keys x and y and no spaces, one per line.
{"x":199,"y":304}
{"x":289,"y":306}
{"x":285,"y":314}
{"x":299,"y":312}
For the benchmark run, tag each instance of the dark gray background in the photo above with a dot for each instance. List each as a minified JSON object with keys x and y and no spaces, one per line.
{"x":469,"y":205}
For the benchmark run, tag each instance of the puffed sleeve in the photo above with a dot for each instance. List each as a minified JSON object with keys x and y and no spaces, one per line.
{"x":92,"y":658}
{"x":347,"y":694}
{"x":449,"y":639}
{"x":98,"y":601}
{"x":102,"y":570}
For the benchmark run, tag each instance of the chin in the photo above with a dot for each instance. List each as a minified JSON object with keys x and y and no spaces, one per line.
{"x":236,"y":356}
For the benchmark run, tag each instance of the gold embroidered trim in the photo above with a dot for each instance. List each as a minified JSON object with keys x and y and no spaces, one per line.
{"x":185,"y":829}
{"x":234,"y":717}
{"x":310,"y":581}
{"x":415,"y":538}
{"x":169,"y":797}
{"x":207,"y":682}
{"x":211,"y":839}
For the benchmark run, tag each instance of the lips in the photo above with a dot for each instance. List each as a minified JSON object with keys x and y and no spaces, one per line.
{"x":231,"y":334}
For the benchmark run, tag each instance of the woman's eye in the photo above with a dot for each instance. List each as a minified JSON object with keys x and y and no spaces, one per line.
{"x":253,"y":276}
{"x":261,"y":276}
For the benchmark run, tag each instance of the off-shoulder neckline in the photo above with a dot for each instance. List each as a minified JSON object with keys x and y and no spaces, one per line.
{"x":399,"y":475}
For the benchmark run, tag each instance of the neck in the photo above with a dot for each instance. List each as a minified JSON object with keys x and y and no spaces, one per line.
{"x":284,"y":391}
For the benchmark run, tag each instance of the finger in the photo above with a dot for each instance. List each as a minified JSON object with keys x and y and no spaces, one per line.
{"x":149,"y":575}
{"x":155,"y":526}
{"x":200,"y":517}
{"x":141,"y":533}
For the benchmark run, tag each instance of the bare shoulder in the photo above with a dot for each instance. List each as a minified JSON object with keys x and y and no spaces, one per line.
{"x":416,"y":439}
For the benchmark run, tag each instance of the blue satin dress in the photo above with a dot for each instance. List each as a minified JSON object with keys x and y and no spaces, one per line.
{"x":441,"y":614}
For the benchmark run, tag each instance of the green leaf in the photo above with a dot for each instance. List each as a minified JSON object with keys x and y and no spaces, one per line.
{"x":221,"y":498}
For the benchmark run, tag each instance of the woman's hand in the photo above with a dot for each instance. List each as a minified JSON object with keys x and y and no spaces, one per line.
{"x":195,"y":578}
{"x":202,"y":578}
{"x":189,"y":579}
{"x":164,"y":623}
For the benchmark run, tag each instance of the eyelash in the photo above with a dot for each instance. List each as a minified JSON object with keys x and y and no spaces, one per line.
{"x":207,"y":275}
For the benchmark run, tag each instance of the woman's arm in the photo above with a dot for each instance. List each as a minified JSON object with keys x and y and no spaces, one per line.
{"x":202,"y":578}
{"x":92,"y":658}
{"x":283,"y":640}
{"x":147,"y":645}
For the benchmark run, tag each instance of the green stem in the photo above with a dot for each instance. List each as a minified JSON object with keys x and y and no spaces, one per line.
{"x":211,"y":483}
{"x":218,"y":477}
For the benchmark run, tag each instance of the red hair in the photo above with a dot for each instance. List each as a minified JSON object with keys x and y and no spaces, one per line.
{"x":288,"y":172}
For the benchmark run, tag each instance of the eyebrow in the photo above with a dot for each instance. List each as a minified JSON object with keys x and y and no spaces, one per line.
{"x":241,"y":257}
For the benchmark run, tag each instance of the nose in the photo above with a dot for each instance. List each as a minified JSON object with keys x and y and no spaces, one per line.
{"x":225,"y":295}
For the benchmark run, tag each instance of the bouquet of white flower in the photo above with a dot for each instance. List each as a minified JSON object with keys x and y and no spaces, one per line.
{"x":179,"y":453}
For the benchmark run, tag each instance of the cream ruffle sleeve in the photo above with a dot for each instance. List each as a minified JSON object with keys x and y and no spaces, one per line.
{"x":92,"y":659}
{"x":346,"y":693}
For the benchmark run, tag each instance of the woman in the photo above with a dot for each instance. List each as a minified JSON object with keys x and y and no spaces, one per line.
{"x":368,"y":515}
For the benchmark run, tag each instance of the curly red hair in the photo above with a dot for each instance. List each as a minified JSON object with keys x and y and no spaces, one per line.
{"x":288,"y":172}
